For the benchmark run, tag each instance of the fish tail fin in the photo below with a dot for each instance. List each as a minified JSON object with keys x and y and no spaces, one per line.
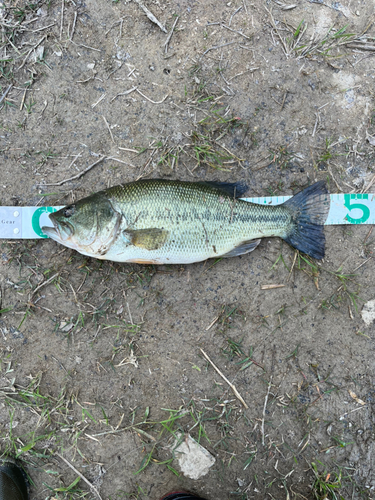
{"x":309,"y":210}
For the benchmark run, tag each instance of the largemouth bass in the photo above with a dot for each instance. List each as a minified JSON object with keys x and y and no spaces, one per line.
{"x":172,"y":222}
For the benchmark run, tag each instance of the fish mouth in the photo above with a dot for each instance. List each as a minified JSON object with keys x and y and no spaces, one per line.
{"x":51,"y":232}
{"x":60,"y":232}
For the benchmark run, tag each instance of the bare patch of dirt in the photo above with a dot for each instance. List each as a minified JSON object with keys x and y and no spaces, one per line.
{"x":103,"y":364}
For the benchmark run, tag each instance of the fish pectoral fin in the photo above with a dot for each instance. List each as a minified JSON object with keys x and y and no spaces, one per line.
{"x":244,"y":247}
{"x":149,"y":239}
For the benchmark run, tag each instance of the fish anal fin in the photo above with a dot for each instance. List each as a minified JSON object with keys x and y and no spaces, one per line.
{"x":242,"y":248}
{"x":233,"y":189}
{"x":149,"y":239}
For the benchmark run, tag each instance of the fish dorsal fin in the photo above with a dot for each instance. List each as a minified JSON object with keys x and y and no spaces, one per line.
{"x":244,"y":247}
{"x":149,"y":239}
{"x":233,"y":189}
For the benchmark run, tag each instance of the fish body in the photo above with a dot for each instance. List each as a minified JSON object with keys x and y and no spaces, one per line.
{"x":171,"y":222}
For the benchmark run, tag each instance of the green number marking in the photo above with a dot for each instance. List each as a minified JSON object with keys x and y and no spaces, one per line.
{"x":35,"y":219}
{"x":364,"y":208}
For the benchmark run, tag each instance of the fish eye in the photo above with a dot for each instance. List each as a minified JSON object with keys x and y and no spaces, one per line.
{"x":69,"y":211}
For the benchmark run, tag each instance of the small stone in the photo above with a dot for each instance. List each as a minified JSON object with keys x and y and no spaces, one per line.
{"x":194,"y":460}
{"x":91,"y":65}
{"x":368,"y":312}
{"x":39,"y":53}
{"x":41,"y":12}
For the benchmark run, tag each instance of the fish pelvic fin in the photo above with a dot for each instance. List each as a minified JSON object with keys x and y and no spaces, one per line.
{"x":244,"y":247}
{"x":309,"y":210}
{"x":149,"y":239}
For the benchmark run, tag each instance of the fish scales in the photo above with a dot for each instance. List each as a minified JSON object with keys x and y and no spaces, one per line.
{"x":163,"y":221}
{"x":202,"y":221}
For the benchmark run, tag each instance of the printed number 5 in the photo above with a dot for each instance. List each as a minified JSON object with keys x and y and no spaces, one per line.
{"x":348,"y":202}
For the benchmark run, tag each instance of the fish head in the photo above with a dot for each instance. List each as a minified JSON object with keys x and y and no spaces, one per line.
{"x":88,"y":226}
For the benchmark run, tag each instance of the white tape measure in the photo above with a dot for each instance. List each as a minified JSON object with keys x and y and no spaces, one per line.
{"x":25,"y":222}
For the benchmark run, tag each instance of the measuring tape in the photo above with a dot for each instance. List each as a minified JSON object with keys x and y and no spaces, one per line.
{"x":26,"y":222}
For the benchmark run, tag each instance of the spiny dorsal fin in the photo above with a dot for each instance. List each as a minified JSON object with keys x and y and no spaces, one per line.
{"x":150,"y":239}
{"x":233,"y":189}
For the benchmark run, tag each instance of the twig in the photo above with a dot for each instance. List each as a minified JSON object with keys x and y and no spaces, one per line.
{"x":294,"y":261}
{"x":130,"y":314}
{"x":282,"y":105}
{"x":5,"y":93}
{"x":92,"y":77}
{"x":130,"y":150}
{"x":234,"y":13}
{"x":43,"y":284}
{"x":217,"y":47}
{"x":235,"y":31}
{"x":286,"y":52}
{"x":365,"y":262}
{"x":271,"y":287}
{"x":62,"y":18}
{"x":334,"y":180}
{"x":242,"y":73}
{"x":284,"y":6}
{"x":222,"y":76}
{"x":212,"y":323}
{"x":361,"y":47}
{"x":316,"y":124}
{"x":60,"y":364}
{"x":277,"y":102}
{"x":92,"y":487}
{"x":131,"y":72}
{"x":170,"y":35}
{"x":109,"y":129}
{"x":151,"y":16}
{"x":42,"y":28}
{"x":264,"y":408}
{"x":113,"y":25}
{"x":369,"y":184}
{"x":74,"y":160}
{"x":75,"y":176}
{"x":236,"y":393}
{"x":153,"y":102}
{"x":74,"y":26}
{"x":98,"y":101}
{"x":368,"y":235}
{"x":32,"y":48}
{"x":124,"y":93}
{"x":86,"y":46}
{"x":120,"y":161}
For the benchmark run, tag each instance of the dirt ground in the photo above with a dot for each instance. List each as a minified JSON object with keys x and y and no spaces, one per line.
{"x":102,"y":363}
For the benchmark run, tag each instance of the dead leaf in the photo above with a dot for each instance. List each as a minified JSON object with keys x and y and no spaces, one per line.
{"x":356,"y":398}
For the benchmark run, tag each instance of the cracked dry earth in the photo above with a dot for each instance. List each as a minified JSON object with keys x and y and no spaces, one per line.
{"x":102,"y":362}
